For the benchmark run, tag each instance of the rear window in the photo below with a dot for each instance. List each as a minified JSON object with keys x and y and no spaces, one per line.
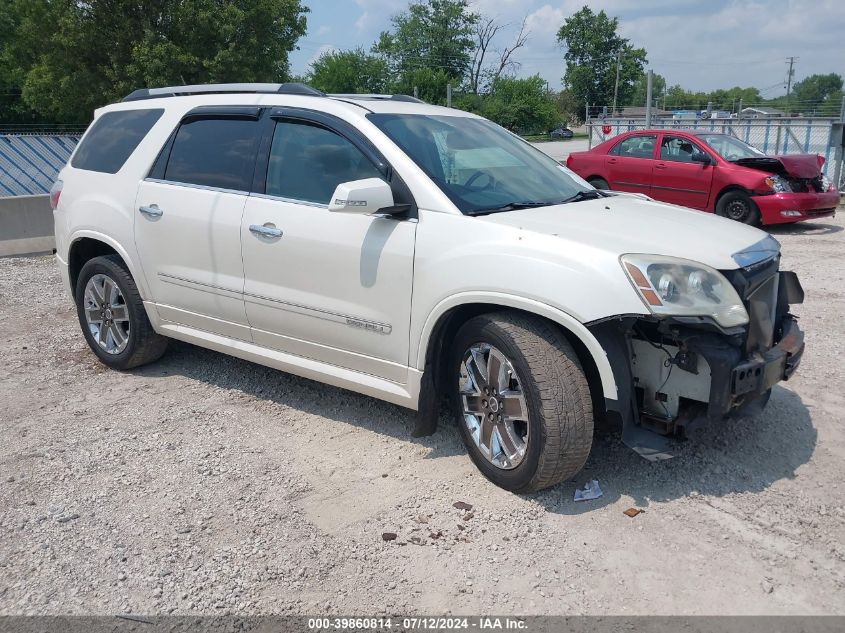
{"x":112,"y":139}
{"x":215,"y":153}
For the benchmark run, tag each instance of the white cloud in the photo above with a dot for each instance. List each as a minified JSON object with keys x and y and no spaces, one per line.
{"x":376,"y":13}
{"x":325,"y":48}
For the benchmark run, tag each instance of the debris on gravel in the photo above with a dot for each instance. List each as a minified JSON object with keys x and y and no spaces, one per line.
{"x":203,"y":484}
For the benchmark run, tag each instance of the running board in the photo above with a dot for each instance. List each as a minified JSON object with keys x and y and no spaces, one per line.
{"x":404,"y":395}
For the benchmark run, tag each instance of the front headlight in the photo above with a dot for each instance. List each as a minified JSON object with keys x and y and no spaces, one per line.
{"x":826,"y":183}
{"x":778,"y":184}
{"x":679,"y":287}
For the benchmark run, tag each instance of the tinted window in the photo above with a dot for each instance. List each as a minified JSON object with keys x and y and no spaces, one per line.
{"x":307,"y":162}
{"x":112,"y":139}
{"x":636,"y":147}
{"x":215,"y":153}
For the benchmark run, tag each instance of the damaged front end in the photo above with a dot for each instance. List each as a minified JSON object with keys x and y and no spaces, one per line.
{"x":675,"y":371}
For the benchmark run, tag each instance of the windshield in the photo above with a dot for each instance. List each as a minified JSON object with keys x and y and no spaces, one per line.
{"x":730,"y":148}
{"x":481,"y":167}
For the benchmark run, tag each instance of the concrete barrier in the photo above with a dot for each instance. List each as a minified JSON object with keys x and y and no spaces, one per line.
{"x":26,"y":225}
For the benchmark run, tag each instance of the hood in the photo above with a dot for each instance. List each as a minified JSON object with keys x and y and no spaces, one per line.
{"x":795,"y":165}
{"x":627,"y":224}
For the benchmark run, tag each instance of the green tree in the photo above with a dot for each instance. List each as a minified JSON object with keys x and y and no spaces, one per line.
{"x":592,"y":46}
{"x":817,"y":93}
{"x":71,"y":57}
{"x":639,"y":91}
{"x":521,"y":105}
{"x":731,"y":98}
{"x":429,"y":46}
{"x":349,"y":71}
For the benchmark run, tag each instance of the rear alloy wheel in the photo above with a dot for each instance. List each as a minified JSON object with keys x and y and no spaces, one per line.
{"x":522,"y":401}
{"x":107,"y":314}
{"x":599,"y":183}
{"x":736,"y":205}
{"x":113,"y":317}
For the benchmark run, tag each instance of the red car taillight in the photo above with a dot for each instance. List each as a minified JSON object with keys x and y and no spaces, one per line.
{"x":569,"y":161}
{"x":55,"y":194}
{"x":820,"y":158}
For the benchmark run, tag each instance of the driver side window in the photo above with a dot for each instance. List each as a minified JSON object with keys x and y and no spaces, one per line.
{"x":677,"y":149}
{"x":307,"y":162}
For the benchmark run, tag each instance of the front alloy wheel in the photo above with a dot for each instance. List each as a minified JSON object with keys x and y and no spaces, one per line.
{"x":495,"y":413}
{"x":522,"y":401}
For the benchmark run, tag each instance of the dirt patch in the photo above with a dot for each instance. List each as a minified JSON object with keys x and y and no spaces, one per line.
{"x":205,"y":484}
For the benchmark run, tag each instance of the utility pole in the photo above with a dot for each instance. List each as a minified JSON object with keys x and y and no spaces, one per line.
{"x":792,"y":61}
{"x":649,"y":80}
{"x":448,"y":95}
{"x":616,"y":85}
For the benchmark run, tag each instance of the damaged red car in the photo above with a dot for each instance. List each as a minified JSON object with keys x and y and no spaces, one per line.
{"x":711,"y":172}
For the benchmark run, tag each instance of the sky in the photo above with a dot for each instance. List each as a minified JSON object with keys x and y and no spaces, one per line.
{"x":699,"y":44}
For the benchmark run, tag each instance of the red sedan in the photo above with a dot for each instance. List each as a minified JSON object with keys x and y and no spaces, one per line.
{"x":710,"y":172}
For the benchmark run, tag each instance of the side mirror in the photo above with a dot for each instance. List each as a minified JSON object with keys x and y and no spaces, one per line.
{"x":701,"y":157}
{"x":364,"y":197}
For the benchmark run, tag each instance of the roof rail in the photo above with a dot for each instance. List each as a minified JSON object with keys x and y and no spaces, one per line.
{"x":262,"y":88}
{"x":375,"y":97}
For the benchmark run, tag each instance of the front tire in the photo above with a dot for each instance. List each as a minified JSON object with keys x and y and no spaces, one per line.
{"x":738,"y":206}
{"x":522,"y":400}
{"x":112,"y":315}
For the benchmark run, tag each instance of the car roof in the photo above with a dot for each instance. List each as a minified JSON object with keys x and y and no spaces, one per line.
{"x":292,"y":95}
{"x":672,"y":131}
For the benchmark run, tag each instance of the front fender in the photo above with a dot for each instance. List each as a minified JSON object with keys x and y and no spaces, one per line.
{"x":567,"y":321}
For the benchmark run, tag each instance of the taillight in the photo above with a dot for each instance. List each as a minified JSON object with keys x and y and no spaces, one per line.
{"x":55,"y":194}
{"x":820,"y":158}
{"x":569,"y":161}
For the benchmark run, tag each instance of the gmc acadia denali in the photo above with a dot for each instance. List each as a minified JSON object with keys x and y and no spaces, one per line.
{"x":410,"y":252}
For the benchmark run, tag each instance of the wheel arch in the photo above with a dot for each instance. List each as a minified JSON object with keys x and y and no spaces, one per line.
{"x":443,"y":322}
{"x":726,"y":190}
{"x":85,"y":245}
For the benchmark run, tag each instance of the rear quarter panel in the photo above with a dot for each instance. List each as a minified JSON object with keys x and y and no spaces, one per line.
{"x":101,"y":206}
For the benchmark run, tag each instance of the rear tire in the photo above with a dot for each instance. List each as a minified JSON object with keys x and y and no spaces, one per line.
{"x":112,"y":315}
{"x":541,"y":405}
{"x":599,"y":183}
{"x":738,"y":206}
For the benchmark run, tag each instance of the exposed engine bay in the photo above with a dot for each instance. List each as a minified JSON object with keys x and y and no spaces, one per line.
{"x":674,"y":372}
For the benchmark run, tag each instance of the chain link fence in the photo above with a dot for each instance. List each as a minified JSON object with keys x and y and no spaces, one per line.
{"x":771,"y":136}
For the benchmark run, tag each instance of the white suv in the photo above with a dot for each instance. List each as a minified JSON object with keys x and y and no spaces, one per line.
{"x":410,"y":252}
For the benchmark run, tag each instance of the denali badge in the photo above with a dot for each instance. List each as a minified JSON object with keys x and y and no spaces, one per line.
{"x":380,"y":328}
{"x":350,"y":203}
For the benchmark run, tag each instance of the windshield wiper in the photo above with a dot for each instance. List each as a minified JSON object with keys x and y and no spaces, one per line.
{"x":510,"y":206}
{"x":588,"y":194}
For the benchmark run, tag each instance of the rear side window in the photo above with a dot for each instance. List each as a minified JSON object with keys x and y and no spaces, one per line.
{"x":112,"y":139}
{"x":635,"y":147}
{"x":214,"y":152}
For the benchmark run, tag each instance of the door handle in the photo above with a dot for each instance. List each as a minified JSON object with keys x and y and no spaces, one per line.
{"x":660,"y":166}
{"x":611,"y":161}
{"x":265,"y":230}
{"x":151,"y":211}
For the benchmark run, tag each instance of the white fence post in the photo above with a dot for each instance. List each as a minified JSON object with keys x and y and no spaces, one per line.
{"x":837,"y":168}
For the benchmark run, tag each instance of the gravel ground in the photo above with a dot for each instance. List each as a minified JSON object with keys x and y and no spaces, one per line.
{"x":205,"y":484}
